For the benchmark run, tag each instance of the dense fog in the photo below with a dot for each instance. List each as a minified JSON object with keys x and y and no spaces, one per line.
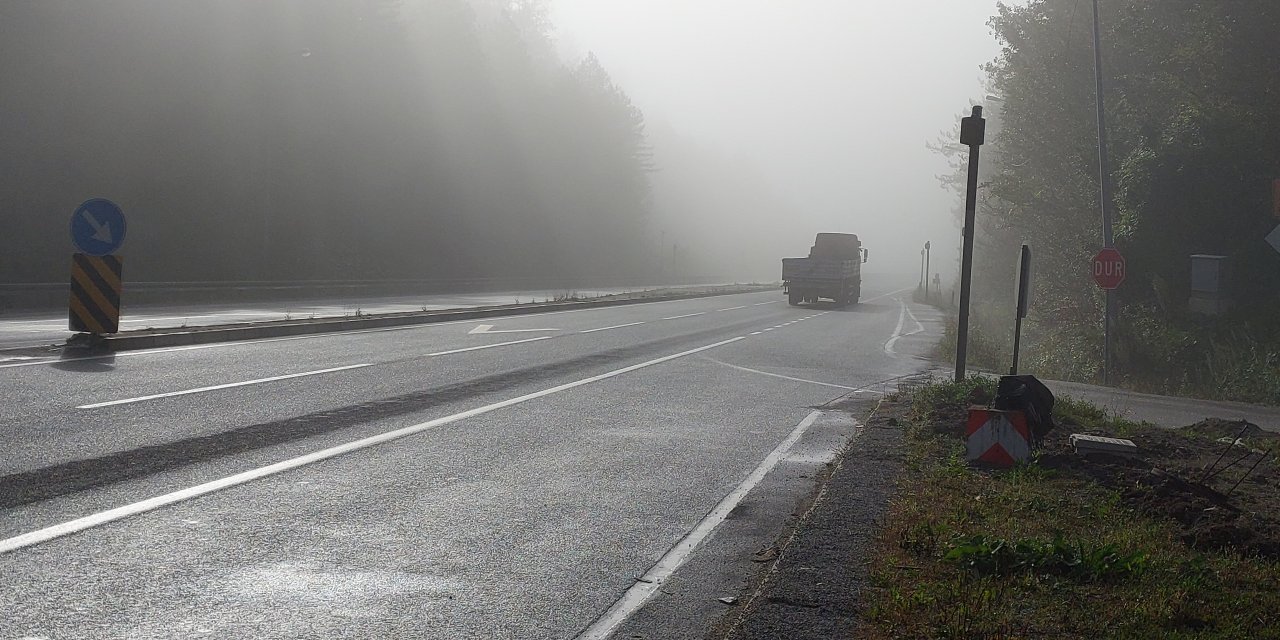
{"x":385,"y":139}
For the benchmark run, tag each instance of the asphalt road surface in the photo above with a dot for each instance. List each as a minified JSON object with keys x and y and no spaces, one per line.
{"x":24,"y":329}
{"x":524,"y":480}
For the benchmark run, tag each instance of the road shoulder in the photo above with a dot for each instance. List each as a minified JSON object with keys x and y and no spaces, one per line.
{"x":812,"y":588}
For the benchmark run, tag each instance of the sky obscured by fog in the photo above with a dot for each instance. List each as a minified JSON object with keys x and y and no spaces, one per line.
{"x":829,"y":102}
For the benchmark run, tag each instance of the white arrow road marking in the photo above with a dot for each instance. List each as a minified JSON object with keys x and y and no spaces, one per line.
{"x":488,"y":328}
{"x":101,"y":232}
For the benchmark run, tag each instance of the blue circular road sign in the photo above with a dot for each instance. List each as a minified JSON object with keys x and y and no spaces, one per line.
{"x":97,"y":227}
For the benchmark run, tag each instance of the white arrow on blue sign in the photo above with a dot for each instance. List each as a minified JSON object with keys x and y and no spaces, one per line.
{"x":97,"y":227}
{"x":1273,"y":238}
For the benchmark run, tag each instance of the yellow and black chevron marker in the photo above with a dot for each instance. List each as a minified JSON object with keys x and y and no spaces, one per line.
{"x":95,"y":293}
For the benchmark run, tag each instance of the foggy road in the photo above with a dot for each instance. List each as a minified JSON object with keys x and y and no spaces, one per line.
{"x":509,"y":479}
{"x":24,"y":329}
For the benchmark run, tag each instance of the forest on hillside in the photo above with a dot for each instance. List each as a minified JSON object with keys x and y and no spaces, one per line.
{"x":318,"y":139}
{"x":1194,"y":118}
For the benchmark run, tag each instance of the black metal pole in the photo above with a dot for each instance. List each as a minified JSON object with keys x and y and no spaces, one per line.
{"x":1023,"y":303}
{"x":921,"y":270}
{"x":1104,"y":181}
{"x":972,"y":133}
{"x":927,"y":257}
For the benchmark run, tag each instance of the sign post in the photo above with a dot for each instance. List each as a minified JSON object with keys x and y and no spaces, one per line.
{"x":1108,"y":269}
{"x":97,"y":229}
{"x":1104,"y":192}
{"x":1024,"y":304}
{"x":1275,"y":198}
{"x":973,"y":133}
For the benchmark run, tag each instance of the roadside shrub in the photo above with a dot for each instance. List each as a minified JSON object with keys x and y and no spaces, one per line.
{"x":1079,"y":562}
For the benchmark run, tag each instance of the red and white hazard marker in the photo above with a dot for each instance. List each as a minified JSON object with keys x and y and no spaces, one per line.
{"x":997,"y":437}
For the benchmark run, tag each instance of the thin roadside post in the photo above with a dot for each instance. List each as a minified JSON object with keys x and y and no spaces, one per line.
{"x":1104,"y":182}
{"x":1024,"y":304}
{"x":973,"y":131}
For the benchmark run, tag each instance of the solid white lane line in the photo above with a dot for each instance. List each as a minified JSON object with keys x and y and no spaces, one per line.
{"x":883,"y":295}
{"x":897,"y":331}
{"x":653,"y":579}
{"x":778,"y":375}
{"x":734,"y":308}
{"x":220,"y":386}
{"x":919,"y":327}
{"x":616,"y":326}
{"x":486,"y":346}
{"x":903,"y":312}
{"x":687,"y":315}
{"x":110,"y":515}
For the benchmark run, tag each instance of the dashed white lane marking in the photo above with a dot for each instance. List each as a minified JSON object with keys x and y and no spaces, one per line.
{"x":294,"y":375}
{"x":111,"y":515}
{"x":778,"y":375}
{"x":482,"y":329}
{"x":903,"y":312}
{"x":653,"y":579}
{"x":734,"y":308}
{"x":755,"y":333}
{"x":487,"y":346}
{"x":616,"y":326}
{"x":687,"y":315}
{"x":220,"y":386}
{"x":758,"y":304}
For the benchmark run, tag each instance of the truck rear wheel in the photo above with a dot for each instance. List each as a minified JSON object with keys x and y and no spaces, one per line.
{"x":793,"y":298}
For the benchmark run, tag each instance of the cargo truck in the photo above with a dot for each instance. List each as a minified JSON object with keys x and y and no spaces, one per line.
{"x":833,"y":270}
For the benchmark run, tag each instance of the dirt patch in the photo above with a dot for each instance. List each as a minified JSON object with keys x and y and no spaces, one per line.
{"x":1198,"y":476}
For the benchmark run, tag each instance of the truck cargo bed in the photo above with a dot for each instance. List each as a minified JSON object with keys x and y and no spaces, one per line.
{"x":818,"y":269}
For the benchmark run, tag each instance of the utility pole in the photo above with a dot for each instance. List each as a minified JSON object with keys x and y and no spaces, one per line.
{"x":973,"y":132}
{"x":1104,"y":181}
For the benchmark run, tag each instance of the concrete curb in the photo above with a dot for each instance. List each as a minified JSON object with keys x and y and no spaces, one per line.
{"x":256,"y":331}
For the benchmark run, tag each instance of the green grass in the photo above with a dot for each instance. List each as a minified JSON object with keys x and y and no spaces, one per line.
{"x":1034,"y":552}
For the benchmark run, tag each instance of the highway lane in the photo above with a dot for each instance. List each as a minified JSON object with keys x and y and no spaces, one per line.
{"x":20,"y":329}
{"x":523,"y":521}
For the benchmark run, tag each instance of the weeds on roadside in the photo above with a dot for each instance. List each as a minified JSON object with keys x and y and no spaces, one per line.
{"x":1036,"y":552}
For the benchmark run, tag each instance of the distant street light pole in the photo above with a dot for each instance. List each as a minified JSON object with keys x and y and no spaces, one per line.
{"x":1104,"y":180}
{"x":927,"y":257}
{"x":973,"y":132}
{"x":922,"y":274}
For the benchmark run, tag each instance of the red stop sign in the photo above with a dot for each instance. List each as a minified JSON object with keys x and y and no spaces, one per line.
{"x":1108,"y":268}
